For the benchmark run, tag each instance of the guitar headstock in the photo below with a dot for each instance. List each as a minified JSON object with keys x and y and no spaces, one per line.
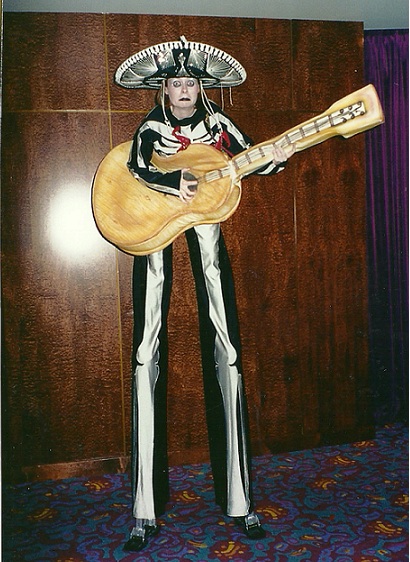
{"x":356,"y":112}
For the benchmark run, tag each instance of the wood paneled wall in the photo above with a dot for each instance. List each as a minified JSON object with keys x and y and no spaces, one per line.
{"x":297,"y":244}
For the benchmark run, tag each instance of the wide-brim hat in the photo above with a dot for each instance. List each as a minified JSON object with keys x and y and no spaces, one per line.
{"x":150,"y":67}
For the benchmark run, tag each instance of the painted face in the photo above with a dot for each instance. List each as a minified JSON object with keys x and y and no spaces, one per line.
{"x":182,"y":93}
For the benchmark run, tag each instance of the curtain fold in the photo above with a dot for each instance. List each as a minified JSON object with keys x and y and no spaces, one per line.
{"x":386,"y":67}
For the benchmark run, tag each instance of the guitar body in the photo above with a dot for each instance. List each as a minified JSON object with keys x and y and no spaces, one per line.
{"x":140,"y":220}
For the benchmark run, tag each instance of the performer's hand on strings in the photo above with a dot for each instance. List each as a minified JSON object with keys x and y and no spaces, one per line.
{"x":188,"y":186}
{"x":282,"y":154}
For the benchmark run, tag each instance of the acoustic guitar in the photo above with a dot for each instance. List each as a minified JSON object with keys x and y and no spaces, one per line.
{"x":139,"y":220}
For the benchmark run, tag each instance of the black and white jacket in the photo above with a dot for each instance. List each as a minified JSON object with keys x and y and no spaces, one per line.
{"x":169,"y":138}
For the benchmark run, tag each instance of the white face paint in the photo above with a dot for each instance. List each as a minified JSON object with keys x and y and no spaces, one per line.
{"x":183,"y":94}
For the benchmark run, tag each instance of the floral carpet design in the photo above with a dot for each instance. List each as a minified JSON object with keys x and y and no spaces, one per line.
{"x":338,"y":503}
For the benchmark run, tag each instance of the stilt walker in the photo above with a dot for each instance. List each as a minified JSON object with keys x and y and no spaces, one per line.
{"x":181,"y":71}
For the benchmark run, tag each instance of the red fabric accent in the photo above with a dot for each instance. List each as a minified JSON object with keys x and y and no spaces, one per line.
{"x":185,"y":142}
{"x":223,"y":143}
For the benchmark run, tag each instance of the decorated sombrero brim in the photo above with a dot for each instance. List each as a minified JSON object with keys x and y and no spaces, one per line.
{"x":149,"y":68}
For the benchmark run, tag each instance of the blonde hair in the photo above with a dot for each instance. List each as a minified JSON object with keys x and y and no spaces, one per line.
{"x":160,"y":94}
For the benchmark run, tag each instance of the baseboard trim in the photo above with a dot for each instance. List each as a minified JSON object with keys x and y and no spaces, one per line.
{"x":75,"y":469}
{"x":112,"y":465}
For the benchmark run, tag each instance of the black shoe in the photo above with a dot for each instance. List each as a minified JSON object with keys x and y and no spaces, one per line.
{"x":252,"y":527}
{"x":254,"y":531}
{"x":138,"y":542}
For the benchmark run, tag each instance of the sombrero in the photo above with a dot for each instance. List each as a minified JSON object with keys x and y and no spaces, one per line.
{"x":150,"y":67}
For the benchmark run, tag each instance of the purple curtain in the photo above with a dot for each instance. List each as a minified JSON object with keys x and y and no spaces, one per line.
{"x":386,"y":67}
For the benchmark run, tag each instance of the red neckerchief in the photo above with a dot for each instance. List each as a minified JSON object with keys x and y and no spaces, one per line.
{"x":221,"y":144}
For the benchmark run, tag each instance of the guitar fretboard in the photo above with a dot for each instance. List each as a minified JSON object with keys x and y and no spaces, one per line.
{"x":261,"y":152}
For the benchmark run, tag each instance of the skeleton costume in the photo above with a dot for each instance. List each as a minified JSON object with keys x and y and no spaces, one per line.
{"x":152,"y":280}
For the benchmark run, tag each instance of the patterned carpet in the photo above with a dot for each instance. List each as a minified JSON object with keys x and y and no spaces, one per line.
{"x":344,"y":503}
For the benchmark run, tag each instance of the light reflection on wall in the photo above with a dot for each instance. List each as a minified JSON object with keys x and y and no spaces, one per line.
{"x":71,"y":227}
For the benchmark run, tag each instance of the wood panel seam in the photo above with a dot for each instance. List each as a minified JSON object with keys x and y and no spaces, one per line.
{"x":117,"y":273}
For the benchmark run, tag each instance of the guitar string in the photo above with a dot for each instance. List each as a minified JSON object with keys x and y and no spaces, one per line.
{"x":338,"y":117}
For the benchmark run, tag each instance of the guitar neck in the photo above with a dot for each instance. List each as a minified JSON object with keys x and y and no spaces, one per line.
{"x":353,"y":114}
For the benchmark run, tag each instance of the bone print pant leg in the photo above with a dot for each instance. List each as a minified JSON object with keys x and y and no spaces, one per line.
{"x":152,"y":281}
{"x":222,"y":370}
